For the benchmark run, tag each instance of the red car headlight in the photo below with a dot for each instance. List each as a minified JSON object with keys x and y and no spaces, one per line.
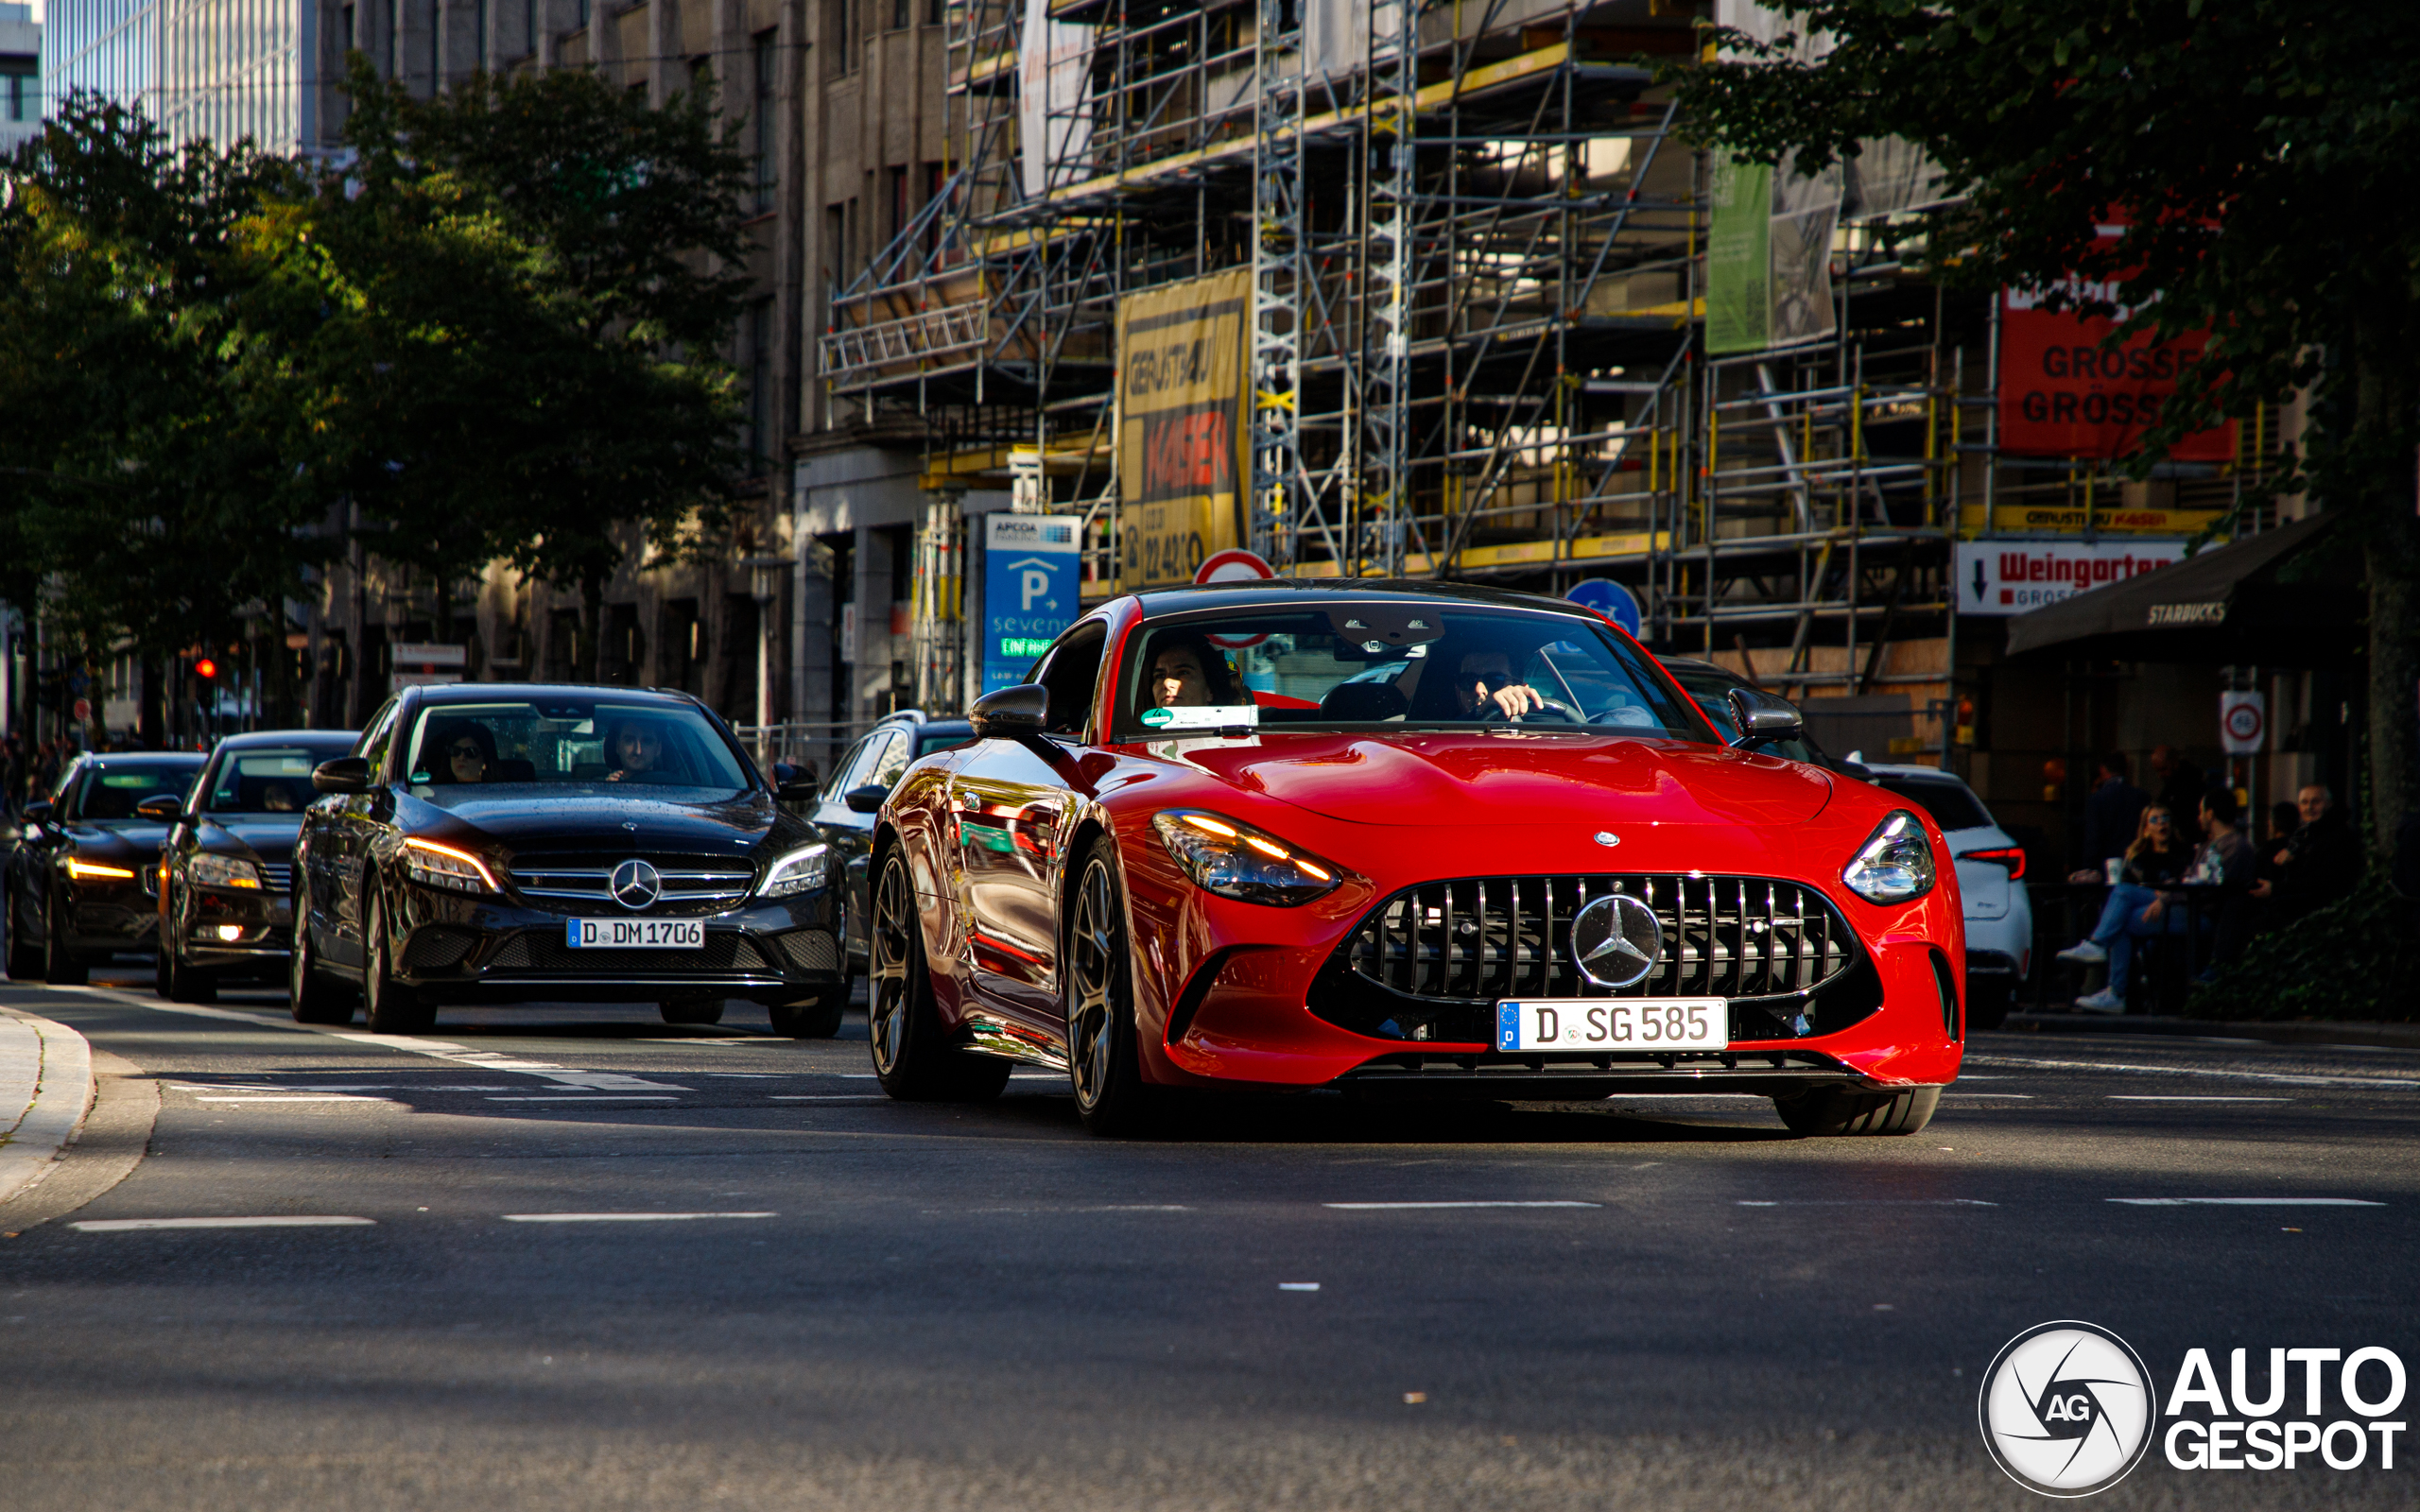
{"x":1234,"y":860}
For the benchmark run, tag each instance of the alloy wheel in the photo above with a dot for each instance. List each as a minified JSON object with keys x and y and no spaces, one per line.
{"x":887,"y":987}
{"x":1092,"y":963}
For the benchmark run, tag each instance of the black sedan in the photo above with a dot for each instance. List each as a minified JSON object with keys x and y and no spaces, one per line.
{"x":80,"y":882}
{"x":505,"y":843}
{"x":225,"y":873}
{"x":860,"y":780}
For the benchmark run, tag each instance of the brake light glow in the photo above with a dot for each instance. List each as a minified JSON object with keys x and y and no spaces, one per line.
{"x":2013,"y":858}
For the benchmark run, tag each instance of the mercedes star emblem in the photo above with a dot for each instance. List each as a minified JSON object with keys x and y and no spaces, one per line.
{"x":1616,"y":940}
{"x":634,"y":885}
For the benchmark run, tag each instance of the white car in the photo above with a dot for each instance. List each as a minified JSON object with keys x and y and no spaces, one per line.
{"x":1991,"y":879}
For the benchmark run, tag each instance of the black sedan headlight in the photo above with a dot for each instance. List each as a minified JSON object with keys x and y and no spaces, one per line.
{"x":444,"y":866}
{"x":804,"y":869}
{"x":223,"y":871}
{"x":1895,"y":864}
{"x":1234,"y":860}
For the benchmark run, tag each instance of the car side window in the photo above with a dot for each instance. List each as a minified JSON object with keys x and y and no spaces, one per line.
{"x":890,"y":760}
{"x":1072,"y":672}
{"x":374,"y":745}
{"x":845,"y":769}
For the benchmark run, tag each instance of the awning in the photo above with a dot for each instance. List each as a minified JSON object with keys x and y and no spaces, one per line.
{"x":2290,"y":597}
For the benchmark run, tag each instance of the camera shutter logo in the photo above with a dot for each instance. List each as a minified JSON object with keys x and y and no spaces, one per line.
{"x":1616,"y":940}
{"x":634,"y":885}
{"x":2066,"y":1409}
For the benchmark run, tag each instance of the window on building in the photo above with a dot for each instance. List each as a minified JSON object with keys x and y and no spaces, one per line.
{"x":901,"y":210}
{"x":933,"y":181}
{"x":702,"y":78}
{"x":767,"y":163}
{"x":23,"y":96}
{"x":934,"y":11}
{"x":581,"y":12}
{"x":836,"y":250}
{"x":763,"y":430}
{"x":529,"y":28}
{"x":479,"y":34}
{"x":900,"y":12}
{"x":840,"y":28}
{"x":436,"y":45}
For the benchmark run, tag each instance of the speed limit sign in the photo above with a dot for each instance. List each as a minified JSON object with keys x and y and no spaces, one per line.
{"x":2243,"y":723}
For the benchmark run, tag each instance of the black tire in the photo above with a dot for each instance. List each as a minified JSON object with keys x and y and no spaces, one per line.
{"x":178,"y":982}
{"x":313,"y":997}
{"x":387,"y":1005}
{"x":1987,"y":1004}
{"x":691,"y":1011}
{"x":60,"y":967}
{"x":1103,"y":1064}
{"x":912,"y":1057}
{"x":817,"y":1017}
{"x":24,"y":956}
{"x":1832,"y":1112}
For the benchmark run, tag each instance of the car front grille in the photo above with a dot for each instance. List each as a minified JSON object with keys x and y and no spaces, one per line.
{"x":277,"y":876}
{"x":691,"y":884}
{"x":724,"y":951}
{"x":1431,"y":962}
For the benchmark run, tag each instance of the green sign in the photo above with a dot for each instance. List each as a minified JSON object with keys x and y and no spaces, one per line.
{"x":1156,"y":717}
{"x":1739,"y":257}
{"x":1018,"y":645}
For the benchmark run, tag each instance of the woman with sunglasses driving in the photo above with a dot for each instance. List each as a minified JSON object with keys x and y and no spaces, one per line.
{"x":466,"y":753}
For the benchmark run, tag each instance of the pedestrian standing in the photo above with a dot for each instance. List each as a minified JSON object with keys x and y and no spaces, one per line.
{"x":2113,"y":819}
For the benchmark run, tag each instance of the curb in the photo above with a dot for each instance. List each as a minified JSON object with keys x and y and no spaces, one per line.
{"x":2382,"y":1036}
{"x":46,"y":1091}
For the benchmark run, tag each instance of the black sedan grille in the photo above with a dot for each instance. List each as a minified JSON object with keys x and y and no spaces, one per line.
{"x":1431,"y":962}
{"x":1481,"y":938}
{"x":277,"y":876}
{"x":691,"y":884}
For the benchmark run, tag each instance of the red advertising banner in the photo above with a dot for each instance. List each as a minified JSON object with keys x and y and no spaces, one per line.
{"x":2062,"y":395}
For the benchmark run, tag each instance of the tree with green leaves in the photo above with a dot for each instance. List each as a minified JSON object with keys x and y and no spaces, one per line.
{"x":154,"y":494}
{"x":588,"y":403}
{"x":2264,"y":159}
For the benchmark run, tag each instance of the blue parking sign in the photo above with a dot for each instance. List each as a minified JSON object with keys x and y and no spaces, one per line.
{"x":1032,"y":572}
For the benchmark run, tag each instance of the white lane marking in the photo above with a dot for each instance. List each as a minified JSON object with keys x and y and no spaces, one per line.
{"x":623,"y":1217}
{"x":464,"y":1056}
{"x":2247,"y":1202}
{"x":1876,"y":1202}
{"x":2027,"y":1096}
{"x":588,"y":1097}
{"x":2281,"y":1077}
{"x":827,"y":1097}
{"x":112,"y":1226}
{"x":1298,"y":1286}
{"x":2183,"y":1097}
{"x":1388,"y":1207}
{"x":302,"y":1097}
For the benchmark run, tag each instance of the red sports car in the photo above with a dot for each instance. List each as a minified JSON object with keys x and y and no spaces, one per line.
{"x":1395,"y":838}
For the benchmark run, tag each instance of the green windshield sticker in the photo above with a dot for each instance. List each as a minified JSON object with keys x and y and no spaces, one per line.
{"x":1156,"y":717}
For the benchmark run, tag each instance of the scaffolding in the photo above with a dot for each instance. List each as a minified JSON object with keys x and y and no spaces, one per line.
{"x":1476,"y":339}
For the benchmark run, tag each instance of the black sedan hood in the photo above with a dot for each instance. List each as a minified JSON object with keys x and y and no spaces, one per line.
{"x":139,"y":838}
{"x":268,"y":836}
{"x":610,"y":816}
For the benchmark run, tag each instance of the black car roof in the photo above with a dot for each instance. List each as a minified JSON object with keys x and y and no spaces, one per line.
{"x":1182,"y":598}
{"x":492,"y":692}
{"x":284,"y":737}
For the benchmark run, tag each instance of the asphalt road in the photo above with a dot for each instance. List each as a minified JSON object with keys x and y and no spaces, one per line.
{"x":597,"y":1261}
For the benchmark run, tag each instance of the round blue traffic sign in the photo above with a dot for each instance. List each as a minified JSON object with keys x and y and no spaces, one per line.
{"x":1608,"y":598}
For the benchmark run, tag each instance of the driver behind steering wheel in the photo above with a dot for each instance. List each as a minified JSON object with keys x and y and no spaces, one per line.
{"x":1485,"y":688}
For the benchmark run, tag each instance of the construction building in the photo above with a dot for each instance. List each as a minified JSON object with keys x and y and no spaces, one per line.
{"x":1453,"y":296}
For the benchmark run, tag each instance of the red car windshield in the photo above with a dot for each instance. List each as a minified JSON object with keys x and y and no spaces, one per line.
{"x":1422,"y":664}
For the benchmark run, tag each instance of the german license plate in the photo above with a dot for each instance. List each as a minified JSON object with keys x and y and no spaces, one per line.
{"x":1593,"y":1023}
{"x":634,"y":934}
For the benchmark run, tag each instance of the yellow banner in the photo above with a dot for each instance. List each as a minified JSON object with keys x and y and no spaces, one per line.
{"x":2108,"y":519}
{"x":1182,"y":466}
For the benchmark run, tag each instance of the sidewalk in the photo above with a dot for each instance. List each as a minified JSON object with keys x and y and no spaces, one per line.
{"x":2394,"y":1036}
{"x":45,"y":1087}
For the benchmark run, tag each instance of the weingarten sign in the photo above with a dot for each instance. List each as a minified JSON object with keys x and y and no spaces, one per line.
{"x":2017,"y":577}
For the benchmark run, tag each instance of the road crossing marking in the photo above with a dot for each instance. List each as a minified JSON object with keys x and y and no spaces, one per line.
{"x":2247,"y":1202}
{"x":624,"y":1217}
{"x":1388,"y":1207}
{"x":112,"y":1226}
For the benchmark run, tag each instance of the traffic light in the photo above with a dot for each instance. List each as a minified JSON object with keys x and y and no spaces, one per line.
{"x":205,"y":668}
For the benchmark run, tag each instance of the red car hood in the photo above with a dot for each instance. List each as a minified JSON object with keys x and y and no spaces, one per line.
{"x":1440,"y":778}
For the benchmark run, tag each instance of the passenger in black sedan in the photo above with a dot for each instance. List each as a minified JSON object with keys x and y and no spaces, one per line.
{"x":470,"y":751}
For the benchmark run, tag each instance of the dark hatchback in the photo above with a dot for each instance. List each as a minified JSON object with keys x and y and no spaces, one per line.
{"x":852,"y":797}
{"x":226,"y":879}
{"x":503,"y":843}
{"x":82,"y":881}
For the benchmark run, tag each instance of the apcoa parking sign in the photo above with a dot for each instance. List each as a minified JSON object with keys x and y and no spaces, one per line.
{"x":1031,"y":569}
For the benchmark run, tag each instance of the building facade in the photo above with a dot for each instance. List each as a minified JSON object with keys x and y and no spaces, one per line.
{"x":21,"y":95}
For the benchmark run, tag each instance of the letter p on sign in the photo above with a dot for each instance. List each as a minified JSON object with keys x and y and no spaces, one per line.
{"x":1032,"y":584}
